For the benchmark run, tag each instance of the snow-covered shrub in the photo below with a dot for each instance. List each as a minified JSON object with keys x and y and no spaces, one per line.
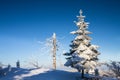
{"x":1,"y":69}
{"x":5,"y":70}
{"x":18,"y":64}
{"x":114,"y":66}
{"x":110,"y":70}
{"x":1,"y":65}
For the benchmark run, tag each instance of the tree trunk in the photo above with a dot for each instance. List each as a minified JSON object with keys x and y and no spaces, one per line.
{"x":82,"y":74}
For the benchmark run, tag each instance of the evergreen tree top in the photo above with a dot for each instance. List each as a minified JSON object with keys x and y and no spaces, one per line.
{"x":81,"y":17}
{"x":81,"y":23}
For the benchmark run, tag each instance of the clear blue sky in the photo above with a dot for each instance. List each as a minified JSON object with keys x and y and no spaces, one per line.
{"x":25,"y":22}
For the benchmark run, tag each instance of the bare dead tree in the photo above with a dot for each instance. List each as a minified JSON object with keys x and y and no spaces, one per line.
{"x":54,"y":50}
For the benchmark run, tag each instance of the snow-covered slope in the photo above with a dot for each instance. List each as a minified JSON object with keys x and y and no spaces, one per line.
{"x":44,"y":74}
{"x":39,"y":74}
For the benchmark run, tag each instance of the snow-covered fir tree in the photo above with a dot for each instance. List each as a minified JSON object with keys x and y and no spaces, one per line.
{"x":82,"y":55}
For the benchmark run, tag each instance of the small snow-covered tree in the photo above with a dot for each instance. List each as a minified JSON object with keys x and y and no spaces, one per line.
{"x":82,"y":55}
{"x":1,"y":65}
{"x":18,"y":64}
{"x":9,"y":67}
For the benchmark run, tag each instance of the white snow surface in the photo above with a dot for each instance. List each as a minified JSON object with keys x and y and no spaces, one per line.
{"x":39,"y":74}
{"x":44,"y":74}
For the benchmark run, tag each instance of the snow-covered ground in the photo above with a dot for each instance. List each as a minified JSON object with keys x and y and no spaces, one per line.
{"x":39,"y":74}
{"x":43,"y":74}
